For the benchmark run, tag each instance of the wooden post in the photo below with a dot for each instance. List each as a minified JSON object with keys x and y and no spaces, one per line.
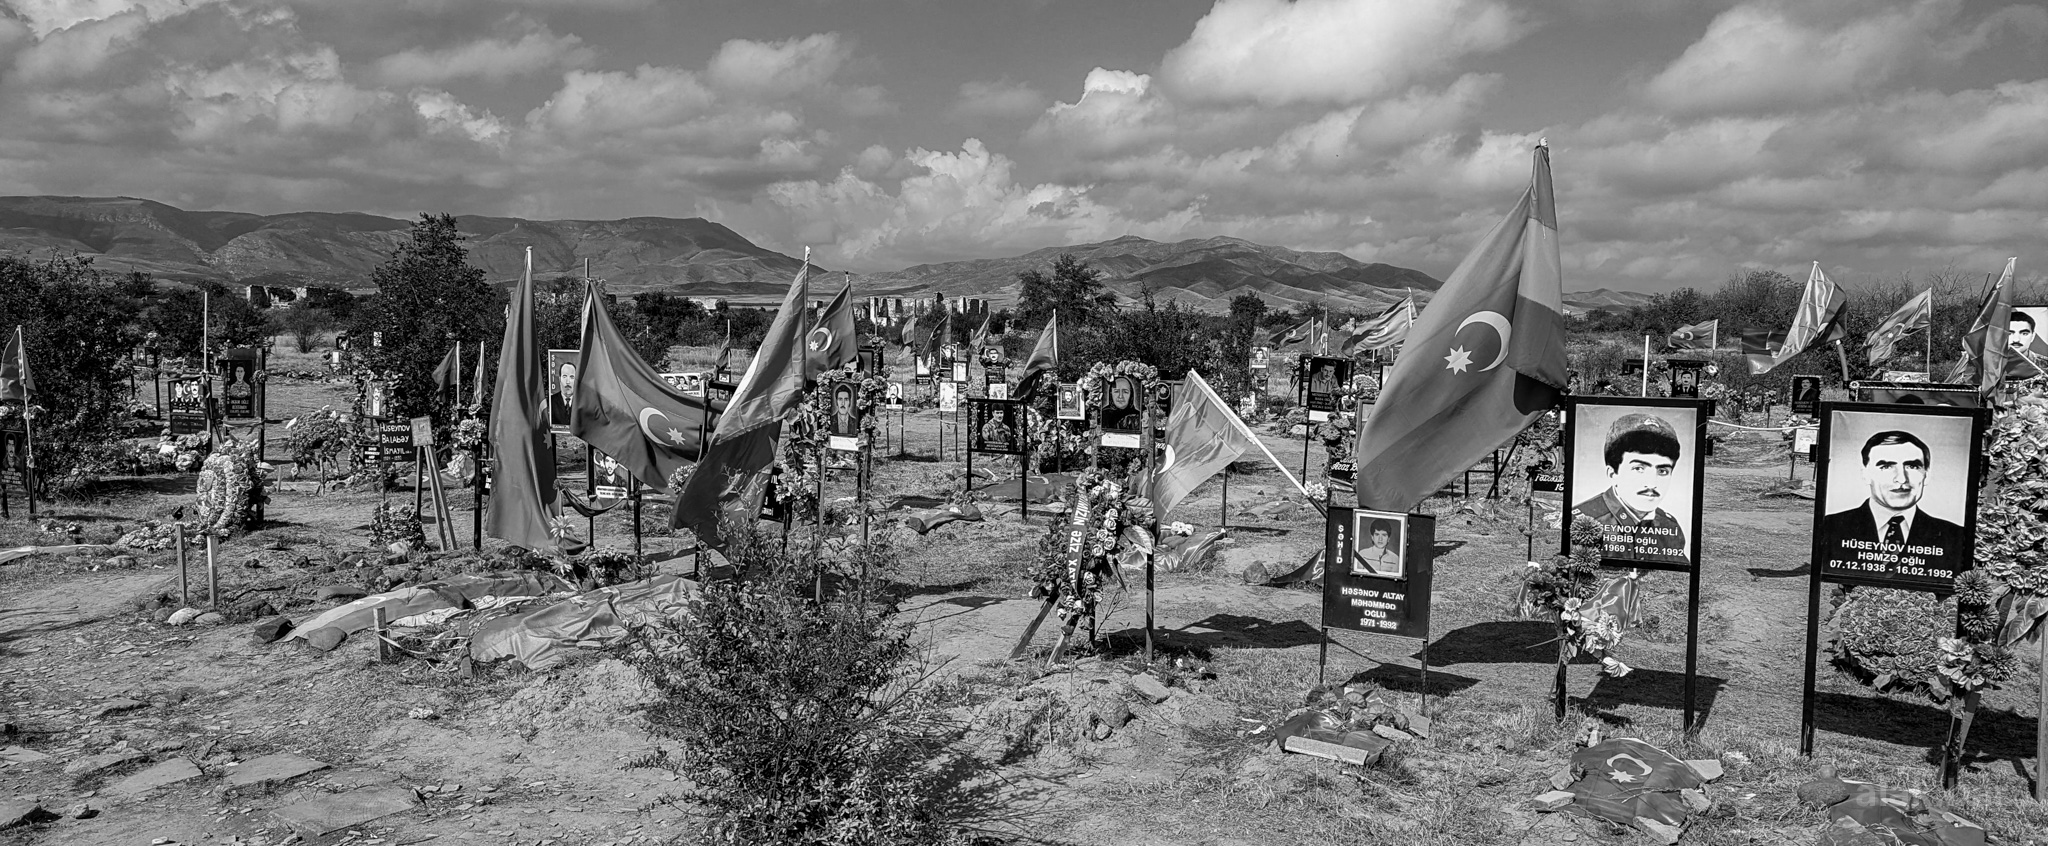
{"x":1563,"y":647}
{"x":476,"y":513}
{"x":212,"y":573}
{"x":2041,"y":725}
{"x":1223,"y":512}
{"x":380,"y":622}
{"x":184,"y":589}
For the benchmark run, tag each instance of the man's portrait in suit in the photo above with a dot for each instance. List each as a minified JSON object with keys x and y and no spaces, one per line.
{"x":1894,"y":471}
{"x":1897,"y":497}
{"x":561,"y":386}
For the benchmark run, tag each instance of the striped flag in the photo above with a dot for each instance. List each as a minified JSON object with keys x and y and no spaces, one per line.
{"x":1818,"y":321}
{"x":1698,"y":336}
{"x":15,"y":382}
{"x":1911,"y":317}
{"x":1485,"y":358}
{"x":1390,"y":327}
{"x":1761,"y":346}
{"x":1202,"y":438}
{"x":1985,"y":343}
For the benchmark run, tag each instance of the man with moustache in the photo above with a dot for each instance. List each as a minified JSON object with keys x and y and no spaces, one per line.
{"x":1641,"y":454}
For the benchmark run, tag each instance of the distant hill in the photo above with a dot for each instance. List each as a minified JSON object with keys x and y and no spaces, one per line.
{"x":1580,"y":302}
{"x":690,"y":256}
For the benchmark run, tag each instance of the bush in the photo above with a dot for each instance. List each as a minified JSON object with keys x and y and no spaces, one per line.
{"x":796,"y":721}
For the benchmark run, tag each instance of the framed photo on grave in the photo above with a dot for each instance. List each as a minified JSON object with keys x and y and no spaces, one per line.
{"x":949,"y":397}
{"x":1896,"y":495}
{"x":1805,"y":395}
{"x":995,"y":426}
{"x":189,"y":395}
{"x":892,"y":396}
{"x":1685,"y":377}
{"x":240,"y":393}
{"x":845,"y":411}
{"x":1122,"y":414}
{"x":1377,"y":571}
{"x":693,"y":383}
{"x":1325,"y":375}
{"x":1635,"y":466}
{"x":1261,"y":356}
{"x":960,"y":372}
{"x":1069,"y":404}
{"x":998,"y":390}
{"x":869,"y":361}
{"x":921,"y":366}
{"x":561,"y":387}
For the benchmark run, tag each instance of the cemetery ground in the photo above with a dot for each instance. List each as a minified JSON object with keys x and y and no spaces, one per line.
{"x":132,"y":731}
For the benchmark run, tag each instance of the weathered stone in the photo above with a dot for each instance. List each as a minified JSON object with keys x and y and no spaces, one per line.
{"x":1662,"y":832}
{"x":1102,"y":731}
{"x":1418,"y":725}
{"x":269,"y":629}
{"x":14,"y":812}
{"x":117,"y":706}
{"x":1391,"y":733}
{"x":81,"y":811}
{"x":272,"y":770}
{"x":339,"y":811}
{"x":1709,"y":769}
{"x":122,"y":561}
{"x":254,"y":607}
{"x":22,"y":755}
{"x":340,"y":592}
{"x":1695,"y":800}
{"x":182,"y":616}
{"x":1554,"y":800}
{"x":160,"y":775}
{"x":1333,"y":751}
{"x":92,"y":764}
{"x":162,"y":614}
{"x":210,"y":618}
{"x":302,"y":562}
{"x":1151,"y":688}
{"x":325,"y":638}
{"x":1563,"y":778}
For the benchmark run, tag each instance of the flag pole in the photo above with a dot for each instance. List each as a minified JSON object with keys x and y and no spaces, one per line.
{"x":1247,"y":432}
{"x":1646,"y":367}
{"x":28,"y":426}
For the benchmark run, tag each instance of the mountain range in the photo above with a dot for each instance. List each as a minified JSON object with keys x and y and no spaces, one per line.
{"x":689,"y":256}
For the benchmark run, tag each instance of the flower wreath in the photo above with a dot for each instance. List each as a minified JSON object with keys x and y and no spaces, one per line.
{"x":1078,"y":583}
{"x":230,"y":489}
{"x":1592,"y":609}
{"x":1906,"y":641}
{"x":1095,"y":383}
{"x":1052,"y":438}
{"x":1338,"y":434}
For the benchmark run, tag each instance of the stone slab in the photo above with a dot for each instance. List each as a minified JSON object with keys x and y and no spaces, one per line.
{"x":91,"y":764}
{"x":271,"y":770}
{"x":159,"y":775}
{"x":14,"y":812}
{"x":342,"y":810}
{"x":22,"y":755}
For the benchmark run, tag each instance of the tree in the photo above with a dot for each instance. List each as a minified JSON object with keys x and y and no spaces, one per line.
{"x":428,"y":297}
{"x":1074,"y":290}
{"x":304,"y":321}
{"x":79,"y":329}
{"x":1234,"y":371}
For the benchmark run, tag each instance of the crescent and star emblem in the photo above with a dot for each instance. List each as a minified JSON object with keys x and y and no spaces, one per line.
{"x":673,"y":437}
{"x":1620,"y":777}
{"x":821,"y":338}
{"x":1460,"y":358}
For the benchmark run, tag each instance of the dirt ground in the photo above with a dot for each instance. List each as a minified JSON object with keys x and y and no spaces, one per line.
{"x":542,"y":758}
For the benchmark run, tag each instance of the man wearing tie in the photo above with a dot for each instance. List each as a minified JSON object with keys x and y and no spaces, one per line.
{"x":1895,"y":466}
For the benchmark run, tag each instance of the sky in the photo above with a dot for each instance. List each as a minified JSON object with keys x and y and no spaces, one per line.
{"x":1689,"y":138}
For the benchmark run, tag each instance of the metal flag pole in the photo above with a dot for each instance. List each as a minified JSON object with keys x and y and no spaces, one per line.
{"x":28,"y":426}
{"x":1646,"y":367}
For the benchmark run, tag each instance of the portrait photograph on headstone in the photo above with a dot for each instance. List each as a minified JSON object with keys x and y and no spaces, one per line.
{"x":1319,"y":390}
{"x":1634,"y":466}
{"x":1068,"y":404}
{"x":1376,"y":549}
{"x":892,"y":396}
{"x":2026,"y":339}
{"x":960,"y":372}
{"x":1121,"y":410}
{"x":561,"y":387}
{"x":995,"y":426}
{"x":845,"y":417}
{"x":1896,"y":493}
{"x":1806,"y":395}
{"x":949,"y":397}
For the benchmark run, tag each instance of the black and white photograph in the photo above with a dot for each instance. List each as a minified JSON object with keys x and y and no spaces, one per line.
{"x":845,"y":412}
{"x":561,"y":387}
{"x":690,"y":383}
{"x":959,"y":369}
{"x":1377,"y":537}
{"x":1319,"y":390}
{"x":995,"y":426}
{"x":892,"y":396}
{"x":374,"y":405}
{"x":949,"y":397}
{"x":1260,"y":357}
{"x":1122,"y":408}
{"x":2026,"y":339}
{"x":1806,"y":395}
{"x":921,"y":366}
{"x":1685,"y":378}
{"x":1897,"y":490}
{"x":1069,"y":404}
{"x":1634,"y":466}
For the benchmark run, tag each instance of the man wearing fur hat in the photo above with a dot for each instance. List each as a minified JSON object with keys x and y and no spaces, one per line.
{"x":1641,"y":455}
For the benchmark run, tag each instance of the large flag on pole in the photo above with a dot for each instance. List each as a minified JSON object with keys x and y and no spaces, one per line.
{"x":626,"y":410}
{"x":449,"y":372}
{"x":1044,"y":360}
{"x":1760,"y":345}
{"x":15,"y":382}
{"x":1295,"y":334}
{"x":1816,"y":322}
{"x":981,"y":334}
{"x":476,"y":386}
{"x":1985,"y":343}
{"x":735,"y":465}
{"x":1483,"y":360}
{"x":1911,"y":317}
{"x":1698,"y":336}
{"x":1202,"y":438}
{"x":722,"y":360}
{"x":832,"y":343}
{"x":1390,"y":327}
{"x":523,"y":508}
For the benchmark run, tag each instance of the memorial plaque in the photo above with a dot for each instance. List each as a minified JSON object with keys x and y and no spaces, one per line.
{"x":1377,"y":571}
{"x":239,"y":391}
{"x":1319,"y":389}
{"x":995,"y":426}
{"x":892,"y":398}
{"x":422,"y":431}
{"x":1806,"y":395}
{"x":1069,"y":404}
{"x":13,"y":455}
{"x":188,"y":405}
{"x":1635,"y":466}
{"x":1897,"y":491}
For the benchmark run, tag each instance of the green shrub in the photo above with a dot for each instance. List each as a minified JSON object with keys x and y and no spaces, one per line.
{"x":799,"y":722}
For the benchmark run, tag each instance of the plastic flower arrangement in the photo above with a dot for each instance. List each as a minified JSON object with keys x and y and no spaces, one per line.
{"x":1075,"y":562}
{"x":1592,"y":609}
{"x":231,"y":489}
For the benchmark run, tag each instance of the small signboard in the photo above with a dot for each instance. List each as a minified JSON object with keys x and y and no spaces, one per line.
{"x":395,"y":438}
{"x":998,"y":390}
{"x":960,"y":372}
{"x":842,"y":443}
{"x":689,"y":384}
{"x":1068,"y":404}
{"x":188,"y":405}
{"x":1377,"y":571}
{"x":1319,"y":389}
{"x":949,"y":397}
{"x":422,"y":431}
{"x":1685,"y":377}
{"x":13,"y":455}
{"x":609,"y":483}
{"x":892,"y":397}
{"x":1260,"y":356}
{"x":995,"y":426}
{"x":1803,"y":440}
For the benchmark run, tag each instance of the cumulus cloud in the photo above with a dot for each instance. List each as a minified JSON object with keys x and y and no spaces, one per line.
{"x":789,"y":68}
{"x":493,"y":59}
{"x":1276,"y":52}
{"x":1777,"y":55}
